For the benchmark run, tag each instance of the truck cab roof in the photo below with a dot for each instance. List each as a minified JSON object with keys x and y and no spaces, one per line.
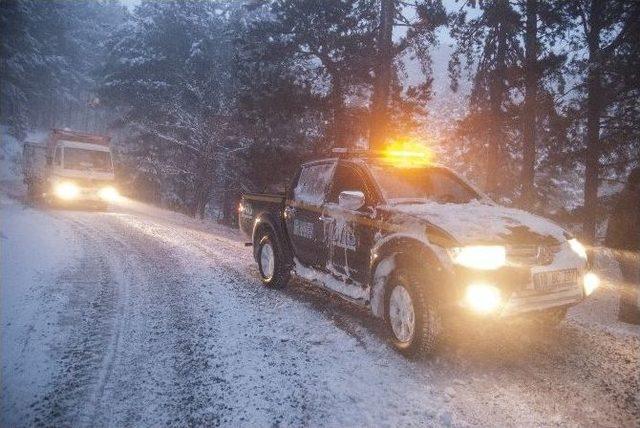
{"x":82,"y":145}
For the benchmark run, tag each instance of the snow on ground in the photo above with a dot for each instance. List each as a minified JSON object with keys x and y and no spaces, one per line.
{"x":31,"y":254}
{"x":143,"y":317}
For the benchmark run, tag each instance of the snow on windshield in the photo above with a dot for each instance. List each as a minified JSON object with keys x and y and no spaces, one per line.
{"x":82,"y":159}
{"x":407,"y":184}
{"x":313,"y":182}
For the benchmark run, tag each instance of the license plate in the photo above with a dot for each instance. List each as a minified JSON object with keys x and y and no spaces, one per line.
{"x":549,"y":281}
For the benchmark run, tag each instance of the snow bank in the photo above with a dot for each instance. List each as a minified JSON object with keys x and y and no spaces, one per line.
{"x":11,"y":154}
{"x":35,"y":249}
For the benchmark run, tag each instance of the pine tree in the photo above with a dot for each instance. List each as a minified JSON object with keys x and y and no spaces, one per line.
{"x":331,"y":43}
{"x":421,"y":19}
{"x":168,"y":71}
{"x":610,"y":34}
{"x":49,"y":52}
{"x":509,"y":52}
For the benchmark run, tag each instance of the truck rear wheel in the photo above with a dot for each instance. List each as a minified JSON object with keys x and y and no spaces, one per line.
{"x":413,"y":321}
{"x":273,"y":271}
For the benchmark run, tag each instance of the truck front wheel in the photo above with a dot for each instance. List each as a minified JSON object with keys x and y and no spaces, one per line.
{"x":273,"y":271}
{"x":33,"y":192}
{"x":414,"y":323}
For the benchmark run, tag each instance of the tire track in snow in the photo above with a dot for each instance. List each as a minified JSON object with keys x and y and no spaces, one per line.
{"x":392,"y":382}
{"x":93,"y":339}
{"x":165,"y":286}
{"x":515,"y":378}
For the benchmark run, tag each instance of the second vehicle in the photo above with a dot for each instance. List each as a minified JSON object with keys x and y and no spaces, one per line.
{"x":71,"y":168}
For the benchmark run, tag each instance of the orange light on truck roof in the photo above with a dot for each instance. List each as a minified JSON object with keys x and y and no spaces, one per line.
{"x":407,"y":154}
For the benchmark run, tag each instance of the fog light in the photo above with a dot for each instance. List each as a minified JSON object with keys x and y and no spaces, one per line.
{"x":109,"y":194}
{"x":591,"y":282}
{"x":483,"y":298}
{"x":66,"y":190}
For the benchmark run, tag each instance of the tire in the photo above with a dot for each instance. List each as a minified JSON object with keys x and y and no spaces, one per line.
{"x":405,"y":300}
{"x":33,"y":194}
{"x":273,"y":271}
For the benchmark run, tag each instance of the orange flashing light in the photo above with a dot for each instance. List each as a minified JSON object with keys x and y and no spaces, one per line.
{"x":407,"y":154}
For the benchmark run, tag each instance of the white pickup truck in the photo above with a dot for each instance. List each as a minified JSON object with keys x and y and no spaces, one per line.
{"x":70,"y":168}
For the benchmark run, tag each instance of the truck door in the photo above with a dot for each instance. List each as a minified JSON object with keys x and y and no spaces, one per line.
{"x":303,"y":213}
{"x":350,"y":236}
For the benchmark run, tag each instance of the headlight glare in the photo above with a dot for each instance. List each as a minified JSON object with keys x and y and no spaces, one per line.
{"x":482,"y":298}
{"x":485,"y":257}
{"x":591,"y":282}
{"x":578,"y":248}
{"x":109,"y":194}
{"x":66,"y":190}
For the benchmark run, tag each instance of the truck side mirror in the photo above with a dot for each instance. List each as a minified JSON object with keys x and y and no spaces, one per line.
{"x":351,"y":199}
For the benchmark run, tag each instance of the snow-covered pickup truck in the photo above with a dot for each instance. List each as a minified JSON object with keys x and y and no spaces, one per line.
{"x":416,"y":244}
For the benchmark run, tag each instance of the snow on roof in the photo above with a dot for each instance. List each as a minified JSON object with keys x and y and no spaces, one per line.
{"x":84,"y":146}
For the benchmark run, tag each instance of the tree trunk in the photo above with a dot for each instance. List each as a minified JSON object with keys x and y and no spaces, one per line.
{"x":379,"y":122}
{"x":337,"y":106}
{"x":594,"y":111}
{"x":496,"y":94}
{"x":530,"y":101}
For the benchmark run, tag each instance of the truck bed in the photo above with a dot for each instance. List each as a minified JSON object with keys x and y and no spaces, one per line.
{"x":34,"y":161}
{"x":253,"y":205}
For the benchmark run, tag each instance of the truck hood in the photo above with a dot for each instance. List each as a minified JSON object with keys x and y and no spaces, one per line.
{"x":84,"y":174}
{"x":479,"y":222}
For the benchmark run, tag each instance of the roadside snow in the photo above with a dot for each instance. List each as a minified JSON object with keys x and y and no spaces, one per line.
{"x":32,"y":257}
{"x":11,"y":154}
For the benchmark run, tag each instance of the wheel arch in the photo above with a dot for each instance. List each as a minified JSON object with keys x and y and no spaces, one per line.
{"x":266,"y":221}
{"x":400,"y":251}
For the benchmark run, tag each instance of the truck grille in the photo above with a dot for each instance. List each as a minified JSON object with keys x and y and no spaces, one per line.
{"x":532,"y":255}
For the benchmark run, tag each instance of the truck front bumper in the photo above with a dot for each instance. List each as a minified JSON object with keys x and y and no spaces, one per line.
{"x":72,"y":194}
{"x":515,"y":290}
{"x":529,"y":301}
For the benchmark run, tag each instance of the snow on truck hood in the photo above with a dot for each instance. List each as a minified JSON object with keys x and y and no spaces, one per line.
{"x":482,"y":222}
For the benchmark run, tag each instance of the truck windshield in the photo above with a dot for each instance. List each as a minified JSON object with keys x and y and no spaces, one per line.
{"x":407,"y":185}
{"x":86,"y":160}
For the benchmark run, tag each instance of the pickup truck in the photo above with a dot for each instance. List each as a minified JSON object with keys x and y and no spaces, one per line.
{"x":70,"y":167}
{"x":417,"y":245}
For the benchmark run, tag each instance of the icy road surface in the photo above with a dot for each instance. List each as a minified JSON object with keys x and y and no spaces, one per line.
{"x":140,"y":317}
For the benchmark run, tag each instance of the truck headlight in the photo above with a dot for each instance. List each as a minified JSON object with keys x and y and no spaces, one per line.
{"x":591,"y":281}
{"x":578,"y":248}
{"x":66,"y":190}
{"x":109,"y":194}
{"x":482,"y":298}
{"x":484,"y":257}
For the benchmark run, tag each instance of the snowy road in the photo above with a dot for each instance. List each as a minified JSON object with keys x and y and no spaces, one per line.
{"x":143,"y":317}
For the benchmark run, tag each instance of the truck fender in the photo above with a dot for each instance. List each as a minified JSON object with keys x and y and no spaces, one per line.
{"x":268,"y":221}
{"x":396,"y":251}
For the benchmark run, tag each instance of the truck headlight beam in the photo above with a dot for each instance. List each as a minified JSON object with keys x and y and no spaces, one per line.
{"x":482,"y":298}
{"x":591,"y":281}
{"x":109,"y":194}
{"x":66,"y":190}
{"x":483,"y":257}
{"x":578,"y":248}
